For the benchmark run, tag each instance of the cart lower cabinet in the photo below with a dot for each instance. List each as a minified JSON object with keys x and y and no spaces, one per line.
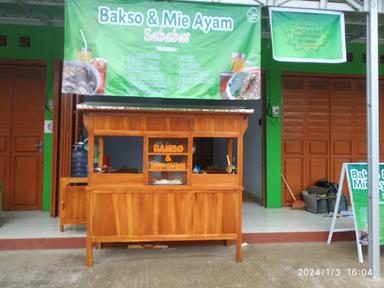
{"x":147,"y":216}
{"x":169,"y":189}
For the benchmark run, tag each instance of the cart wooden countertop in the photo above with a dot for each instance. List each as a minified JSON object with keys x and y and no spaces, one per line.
{"x":124,"y":107}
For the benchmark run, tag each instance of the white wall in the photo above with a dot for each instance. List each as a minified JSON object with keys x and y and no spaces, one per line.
{"x":252,"y":173}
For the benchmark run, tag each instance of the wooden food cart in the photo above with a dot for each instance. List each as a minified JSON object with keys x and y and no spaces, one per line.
{"x":165,"y":200}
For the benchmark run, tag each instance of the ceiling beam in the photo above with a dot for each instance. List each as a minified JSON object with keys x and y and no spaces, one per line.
{"x":45,"y":3}
{"x":337,"y":5}
{"x":356,"y":35}
{"x":29,"y":21}
{"x":35,"y":2}
{"x":29,"y":11}
{"x":347,"y":20}
{"x":334,"y":5}
{"x":323,"y":4}
{"x":357,"y":4}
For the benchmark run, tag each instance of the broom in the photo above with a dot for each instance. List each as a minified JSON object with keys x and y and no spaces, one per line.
{"x":297,"y":204}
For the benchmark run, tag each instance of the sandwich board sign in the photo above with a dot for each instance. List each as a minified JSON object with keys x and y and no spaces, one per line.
{"x":357,"y":179}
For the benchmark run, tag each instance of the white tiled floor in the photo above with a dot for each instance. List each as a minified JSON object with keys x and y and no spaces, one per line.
{"x":256,"y":219}
{"x":35,"y":224}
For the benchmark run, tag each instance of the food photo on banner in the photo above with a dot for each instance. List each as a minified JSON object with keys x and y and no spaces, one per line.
{"x":162,"y":49}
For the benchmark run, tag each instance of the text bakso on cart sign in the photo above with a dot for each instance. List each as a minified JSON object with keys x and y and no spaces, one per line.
{"x":162,"y":49}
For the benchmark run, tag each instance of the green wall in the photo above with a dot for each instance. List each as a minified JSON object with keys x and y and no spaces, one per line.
{"x":274,"y":71}
{"x":46,"y":44}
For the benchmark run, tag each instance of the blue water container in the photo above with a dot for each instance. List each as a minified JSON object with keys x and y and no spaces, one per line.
{"x":79,"y":161}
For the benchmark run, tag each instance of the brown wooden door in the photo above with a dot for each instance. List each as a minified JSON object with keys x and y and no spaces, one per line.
{"x":293,"y":134}
{"x":323,"y":128}
{"x":305,"y":145}
{"x":349,"y":123}
{"x":343,"y":112}
{"x":381,"y":120}
{"x":24,"y":149}
{"x":6,"y":77}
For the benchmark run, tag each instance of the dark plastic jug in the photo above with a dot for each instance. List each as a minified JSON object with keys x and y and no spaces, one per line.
{"x":79,"y":161}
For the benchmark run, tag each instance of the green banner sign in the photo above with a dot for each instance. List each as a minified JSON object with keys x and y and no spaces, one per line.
{"x":358,"y":187}
{"x":162,"y":49}
{"x":307,"y":35}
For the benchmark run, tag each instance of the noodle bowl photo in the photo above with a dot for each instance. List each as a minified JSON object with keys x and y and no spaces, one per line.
{"x":80,"y":78}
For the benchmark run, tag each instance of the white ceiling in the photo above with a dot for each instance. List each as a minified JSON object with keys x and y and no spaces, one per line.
{"x":51,"y":12}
